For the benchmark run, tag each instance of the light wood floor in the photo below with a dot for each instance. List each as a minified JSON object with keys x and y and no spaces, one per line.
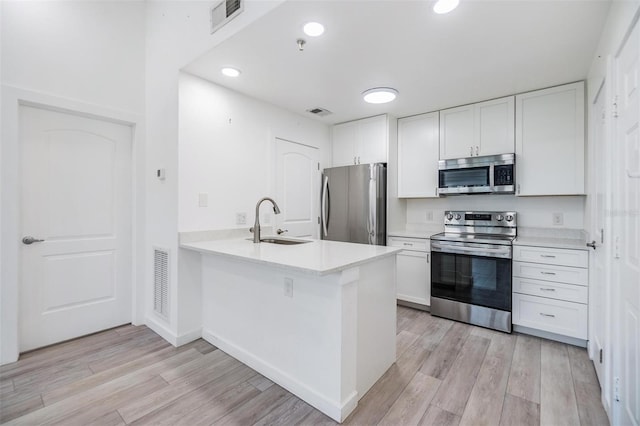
{"x":447,"y":373}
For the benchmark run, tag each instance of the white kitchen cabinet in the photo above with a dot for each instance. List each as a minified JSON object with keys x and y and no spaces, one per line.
{"x":550,"y":291}
{"x":418,"y":147}
{"x":413,"y":270}
{"x":361,"y":141}
{"x":484,"y":128}
{"x":550,"y":141}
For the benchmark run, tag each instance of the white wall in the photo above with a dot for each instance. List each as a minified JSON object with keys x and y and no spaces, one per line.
{"x":226,"y":151}
{"x":532,"y":211}
{"x":177,"y":32}
{"x":83,"y":56}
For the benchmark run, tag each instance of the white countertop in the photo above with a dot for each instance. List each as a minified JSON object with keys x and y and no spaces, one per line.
{"x":319,"y":257}
{"x":566,"y":243}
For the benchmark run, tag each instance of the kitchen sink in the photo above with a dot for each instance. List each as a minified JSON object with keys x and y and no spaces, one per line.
{"x":283,"y":241}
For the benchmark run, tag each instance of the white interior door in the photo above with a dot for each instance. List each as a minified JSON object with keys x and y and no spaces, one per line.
{"x":297,"y":189}
{"x":627,"y":244}
{"x":76,"y":197}
{"x":599,"y":292}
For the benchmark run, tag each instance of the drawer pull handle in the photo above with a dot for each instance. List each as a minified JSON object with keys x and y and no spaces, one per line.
{"x":547,"y":289}
{"x":547,"y":273}
{"x":548,"y":255}
{"x":547,"y":315}
{"x":407,"y":244}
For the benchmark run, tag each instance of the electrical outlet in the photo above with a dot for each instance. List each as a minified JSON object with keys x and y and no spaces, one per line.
{"x":241,"y":218}
{"x":557,"y":218}
{"x":288,"y":287}
{"x":203,"y":199}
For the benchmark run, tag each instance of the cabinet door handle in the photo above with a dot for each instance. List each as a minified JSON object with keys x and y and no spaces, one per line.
{"x":477,"y":150}
{"x":548,"y":255}
{"x":547,"y":315}
{"x":427,"y":257}
{"x":354,"y":160}
{"x":547,"y":273}
{"x":518,"y":188}
{"x":470,"y":151}
{"x":358,"y":159}
{"x":547,"y":289}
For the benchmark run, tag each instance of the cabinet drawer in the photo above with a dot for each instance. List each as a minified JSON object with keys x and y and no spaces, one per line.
{"x":418,"y":244}
{"x":566,"y":292}
{"x":561,"y":274}
{"x":551,"y":256}
{"x":555,"y":316}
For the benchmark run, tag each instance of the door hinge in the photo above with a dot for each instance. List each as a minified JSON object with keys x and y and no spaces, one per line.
{"x":615,"y":107}
{"x":600,"y":356}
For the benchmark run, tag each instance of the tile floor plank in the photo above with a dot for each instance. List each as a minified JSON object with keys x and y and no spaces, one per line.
{"x":436,"y":416}
{"x":519,"y":411}
{"x":413,"y":402}
{"x":441,"y":360}
{"x":290,"y":412}
{"x":484,"y":406}
{"x":404,"y":339}
{"x":558,"y":404}
{"x":255,"y":408}
{"x":456,"y":387}
{"x":590,"y":409}
{"x":524,"y":379}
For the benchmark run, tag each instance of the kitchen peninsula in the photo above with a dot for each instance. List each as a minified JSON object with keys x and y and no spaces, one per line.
{"x":318,"y":318}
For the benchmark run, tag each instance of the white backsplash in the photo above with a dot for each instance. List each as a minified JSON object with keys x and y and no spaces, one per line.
{"x":533,"y":212}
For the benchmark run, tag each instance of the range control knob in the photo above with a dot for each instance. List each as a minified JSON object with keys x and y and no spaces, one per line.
{"x":458,"y":216}
{"x":449,"y":216}
{"x":499,"y":218}
{"x":509,"y":218}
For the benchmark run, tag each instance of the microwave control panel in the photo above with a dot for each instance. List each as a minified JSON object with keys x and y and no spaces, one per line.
{"x":503,"y":175}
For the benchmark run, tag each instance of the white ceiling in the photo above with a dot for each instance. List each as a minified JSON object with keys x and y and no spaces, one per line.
{"x":482,"y":50}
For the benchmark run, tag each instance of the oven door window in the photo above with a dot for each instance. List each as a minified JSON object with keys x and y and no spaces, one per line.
{"x":473,"y":176}
{"x":483,"y":281}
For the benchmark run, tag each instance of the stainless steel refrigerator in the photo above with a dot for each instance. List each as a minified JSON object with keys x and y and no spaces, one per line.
{"x":353,"y":204}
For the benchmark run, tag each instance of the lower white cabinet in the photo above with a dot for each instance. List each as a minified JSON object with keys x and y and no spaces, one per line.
{"x":413,"y":274}
{"x":550,"y":290}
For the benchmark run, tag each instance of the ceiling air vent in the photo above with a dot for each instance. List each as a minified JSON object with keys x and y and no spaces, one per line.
{"x":223,"y":12}
{"x":319,"y":111}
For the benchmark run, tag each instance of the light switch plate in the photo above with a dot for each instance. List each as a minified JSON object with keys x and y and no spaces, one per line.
{"x":203,"y":199}
{"x":557,"y":218}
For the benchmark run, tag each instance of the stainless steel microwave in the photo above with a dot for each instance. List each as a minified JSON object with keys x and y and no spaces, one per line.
{"x":477,"y":175}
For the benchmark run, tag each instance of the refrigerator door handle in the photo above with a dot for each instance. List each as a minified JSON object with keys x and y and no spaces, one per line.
{"x":371,"y":223}
{"x":325,"y":205}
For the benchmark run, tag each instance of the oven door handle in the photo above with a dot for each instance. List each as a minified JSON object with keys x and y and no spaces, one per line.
{"x":502,"y":252}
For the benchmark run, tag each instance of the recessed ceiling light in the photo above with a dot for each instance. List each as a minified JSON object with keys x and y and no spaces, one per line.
{"x":230,"y":72}
{"x":313,"y":29}
{"x":445,"y":6}
{"x":379,"y":95}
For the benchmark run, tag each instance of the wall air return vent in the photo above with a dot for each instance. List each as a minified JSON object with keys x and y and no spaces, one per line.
{"x":319,"y":111}
{"x":223,"y":12}
{"x":161,"y":282}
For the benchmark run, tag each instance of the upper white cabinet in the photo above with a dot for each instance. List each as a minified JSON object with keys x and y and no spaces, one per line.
{"x":418,"y":146}
{"x":550,"y":141}
{"x":361,"y":141}
{"x":485,"y":128}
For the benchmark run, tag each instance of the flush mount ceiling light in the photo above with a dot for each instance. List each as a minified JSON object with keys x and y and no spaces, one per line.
{"x":379,"y":95}
{"x":230,"y":72}
{"x":313,"y":29}
{"x":445,"y":6}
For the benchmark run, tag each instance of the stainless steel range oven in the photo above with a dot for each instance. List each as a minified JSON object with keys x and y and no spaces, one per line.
{"x":471,"y":268}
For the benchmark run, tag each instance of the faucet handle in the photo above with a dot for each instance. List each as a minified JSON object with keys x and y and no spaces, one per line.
{"x":281,"y":231}
{"x":251,"y":229}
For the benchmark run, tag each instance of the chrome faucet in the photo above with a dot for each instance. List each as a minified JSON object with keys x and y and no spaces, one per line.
{"x":256,"y":226}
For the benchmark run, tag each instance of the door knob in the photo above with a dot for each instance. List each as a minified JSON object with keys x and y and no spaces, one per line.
{"x":592,"y":244}
{"x":30,"y":240}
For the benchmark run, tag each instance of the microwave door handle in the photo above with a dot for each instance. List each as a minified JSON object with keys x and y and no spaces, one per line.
{"x":491,"y":176}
